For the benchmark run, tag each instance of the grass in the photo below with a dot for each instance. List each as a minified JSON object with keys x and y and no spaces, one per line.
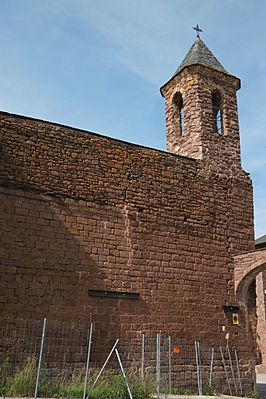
{"x":110,"y":385}
{"x":254,"y":395}
{"x":4,"y":375}
{"x":207,"y":390}
{"x":184,"y":391}
{"x":23,"y":381}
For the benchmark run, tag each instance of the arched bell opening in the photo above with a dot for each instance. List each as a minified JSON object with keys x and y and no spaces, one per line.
{"x":179,"y":114}
{"x":217,"y":111}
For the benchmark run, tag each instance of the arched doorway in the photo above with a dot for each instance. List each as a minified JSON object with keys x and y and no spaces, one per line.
{"x":250,"y":288}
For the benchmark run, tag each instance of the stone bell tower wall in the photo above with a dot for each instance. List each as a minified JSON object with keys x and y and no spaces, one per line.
{"x":196,"y":84}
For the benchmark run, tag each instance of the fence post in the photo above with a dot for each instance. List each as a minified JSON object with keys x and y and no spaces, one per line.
{"x":225,"y":371}
{"x":158,"y":363}
{"x":232,"y":370}
{"x":123,"y":373}
{"x":105,"y":363}
{"x":142,"y":355}
{"x":238,"y":373}
{"x":211,"y":367}
{"x":253,"y":362}
{"x":196,"y":354}
{"x":169,"y":365}
{"x":87,"y":362}
{"x":198,"y":367}
{"x":40,"y":359}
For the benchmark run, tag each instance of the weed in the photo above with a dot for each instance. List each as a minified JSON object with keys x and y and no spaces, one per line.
{"x":207,"y":390}
{"x":184,"y":391}
{"x":74,"y":387}
{"x":142,"y":390}
{"x":253,"y":395}
{"x":110,"y":385}
{"x":23,"y":382}
{"x":4,"y":375}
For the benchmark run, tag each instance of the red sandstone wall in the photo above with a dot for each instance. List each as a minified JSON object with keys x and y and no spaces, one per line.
{"x":261,"y":331}
{"x":81,"y":211}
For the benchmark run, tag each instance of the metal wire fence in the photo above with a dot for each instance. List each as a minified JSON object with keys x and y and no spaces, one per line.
{"x":61,"y":350}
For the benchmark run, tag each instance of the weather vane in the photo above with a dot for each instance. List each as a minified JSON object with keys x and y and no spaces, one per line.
{"x":197,"y":28}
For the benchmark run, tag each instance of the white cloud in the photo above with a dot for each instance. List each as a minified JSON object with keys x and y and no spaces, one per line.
{"x":146,"y":36}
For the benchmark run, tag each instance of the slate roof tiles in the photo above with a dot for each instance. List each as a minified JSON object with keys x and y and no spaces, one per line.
{"x":200,"y":54}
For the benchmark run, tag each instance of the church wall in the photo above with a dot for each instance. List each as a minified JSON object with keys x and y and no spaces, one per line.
{"x":81,"y":211}
{"x":261,"y":333}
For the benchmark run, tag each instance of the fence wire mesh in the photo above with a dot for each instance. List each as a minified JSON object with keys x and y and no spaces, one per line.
{"x":175,"y":365}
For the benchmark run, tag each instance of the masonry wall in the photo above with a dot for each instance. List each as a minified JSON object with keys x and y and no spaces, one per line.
{"x":261,"y":333}
{"x":81,"y":211}
{"x":197,"y":84}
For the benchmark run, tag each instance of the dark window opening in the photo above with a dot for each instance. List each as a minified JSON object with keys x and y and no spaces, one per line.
{"x":182,"y":120}
{"x":180,"y":114}
{"x":217,"y":112}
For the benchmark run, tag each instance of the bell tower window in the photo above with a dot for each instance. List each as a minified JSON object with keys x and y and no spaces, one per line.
{"x":182,"y":119}
{"x":217,"y":112}
{"x":179,"y":113}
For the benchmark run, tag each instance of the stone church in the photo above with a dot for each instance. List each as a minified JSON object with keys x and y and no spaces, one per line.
{"x":136,"y":239}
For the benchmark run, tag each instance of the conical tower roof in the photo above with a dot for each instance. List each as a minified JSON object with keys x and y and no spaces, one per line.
{"x":200,"y":54}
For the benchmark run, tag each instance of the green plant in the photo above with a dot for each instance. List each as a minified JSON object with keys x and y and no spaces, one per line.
{"x":253,"y":395}
{"x":51,"y":391}
{"x":184,"y":391}
{"x":70,"y":386}
{"x":142,"y":390}
{"x":50,"y":388}
{"x":23,"y":382}
{"x":207,"y":390}
{"x":110,"y":386}
{"x":61,"y":384}
{"x":74,"y":387}
{"x":4,"y":375}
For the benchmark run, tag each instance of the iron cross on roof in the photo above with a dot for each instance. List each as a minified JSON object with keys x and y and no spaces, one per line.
{"x":197,"y":28}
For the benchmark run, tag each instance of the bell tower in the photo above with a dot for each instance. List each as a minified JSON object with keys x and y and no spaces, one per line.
{"x":201,"y":108}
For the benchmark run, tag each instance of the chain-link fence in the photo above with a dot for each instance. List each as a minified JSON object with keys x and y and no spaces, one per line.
{"x":182,"y":367}
{"x":55,"y":352}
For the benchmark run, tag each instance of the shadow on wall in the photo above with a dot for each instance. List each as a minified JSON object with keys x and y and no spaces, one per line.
{"x":55,"y":250}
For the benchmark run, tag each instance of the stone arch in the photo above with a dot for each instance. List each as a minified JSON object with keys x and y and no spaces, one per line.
{"x":217,"y":110}
{"x":179,"y":116}
{"x":243,"y":285}
{"x":250,"y":285}
{"x":247,"y":267}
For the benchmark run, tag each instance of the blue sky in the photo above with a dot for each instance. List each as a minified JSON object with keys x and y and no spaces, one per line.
{"x":98,"y":65}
